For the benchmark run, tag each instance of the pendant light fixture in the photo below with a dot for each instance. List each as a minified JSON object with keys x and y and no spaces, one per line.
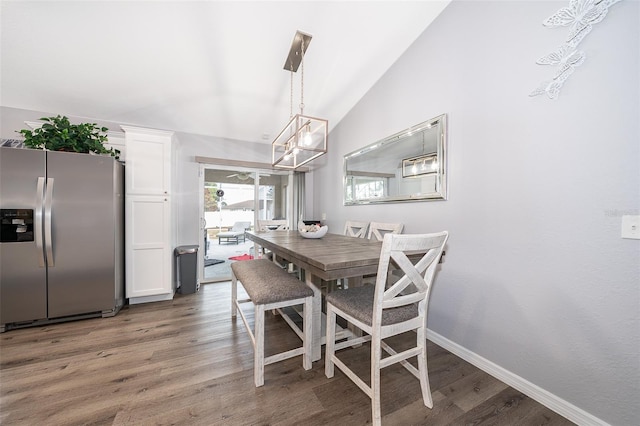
{"x":423,"y":164}
{"x":304,"y":138}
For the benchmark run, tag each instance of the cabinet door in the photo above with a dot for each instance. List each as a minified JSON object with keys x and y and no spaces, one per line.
{"x":149,"y":257}
{"x":148,"y":164}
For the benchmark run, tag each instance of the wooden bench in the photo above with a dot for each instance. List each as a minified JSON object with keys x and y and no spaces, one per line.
{"x":271,"y":287}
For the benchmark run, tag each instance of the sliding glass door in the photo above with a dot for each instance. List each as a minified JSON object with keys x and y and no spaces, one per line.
{"x":232,"y":201}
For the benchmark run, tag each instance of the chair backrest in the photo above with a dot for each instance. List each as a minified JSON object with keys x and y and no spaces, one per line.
{"x":414,"y":285}
{"x":377,"y":230}
{"x":273,"y":225}
{"x":240,"y":226}
{"x":356,"y":229}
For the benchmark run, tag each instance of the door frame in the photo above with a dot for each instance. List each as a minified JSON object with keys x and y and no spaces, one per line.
{"x":234,"y":166}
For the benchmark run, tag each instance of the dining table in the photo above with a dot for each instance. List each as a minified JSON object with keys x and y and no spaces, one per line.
{"x":328,"y":258}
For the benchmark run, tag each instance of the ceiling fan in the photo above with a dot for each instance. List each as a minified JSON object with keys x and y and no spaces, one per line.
{"x":245,"y":175}
{"x":241,"y":175}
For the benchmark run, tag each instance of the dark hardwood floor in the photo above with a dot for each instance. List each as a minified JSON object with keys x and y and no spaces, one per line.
{"x":186,"y":362}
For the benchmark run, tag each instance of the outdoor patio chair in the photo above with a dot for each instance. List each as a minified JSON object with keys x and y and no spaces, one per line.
{"x":235,"y":234}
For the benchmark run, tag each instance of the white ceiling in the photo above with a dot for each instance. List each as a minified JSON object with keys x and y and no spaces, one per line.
{"x":204,"y":67}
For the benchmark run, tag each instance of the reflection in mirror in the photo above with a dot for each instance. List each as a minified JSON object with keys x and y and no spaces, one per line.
{"x":407,"y":166}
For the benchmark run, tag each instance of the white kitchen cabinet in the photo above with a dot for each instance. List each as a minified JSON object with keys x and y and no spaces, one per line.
{"x":149,"y":161}
{"x":148,"y":224}
{"x":150,"y":227}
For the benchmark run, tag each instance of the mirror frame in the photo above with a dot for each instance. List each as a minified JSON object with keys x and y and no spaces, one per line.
{"x":440,"y":192}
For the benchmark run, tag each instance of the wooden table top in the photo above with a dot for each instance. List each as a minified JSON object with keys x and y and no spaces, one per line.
{"x":330,"y":257}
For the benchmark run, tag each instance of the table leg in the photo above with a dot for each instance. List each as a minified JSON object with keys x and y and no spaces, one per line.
{"x":317,"y":317}
{"x":354,"y":281}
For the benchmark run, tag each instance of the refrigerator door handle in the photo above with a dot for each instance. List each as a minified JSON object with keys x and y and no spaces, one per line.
{"x":48,"y":200}
{"x":38,"y":221}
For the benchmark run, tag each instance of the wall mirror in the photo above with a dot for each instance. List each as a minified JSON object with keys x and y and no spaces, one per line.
{"x":407,"y":166}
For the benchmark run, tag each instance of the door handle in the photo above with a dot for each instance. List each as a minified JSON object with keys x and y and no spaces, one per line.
{"x":48,"y":201}
{"x":38,"y":221}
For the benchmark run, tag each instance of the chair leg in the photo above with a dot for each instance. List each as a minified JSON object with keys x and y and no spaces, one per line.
{"x":258,"y":352}
{"x":330,"y":342}
{"x":376,"y":353}
{"x":234,"y":295}
{"x":422,"y":368}
{"x":307,"y":340}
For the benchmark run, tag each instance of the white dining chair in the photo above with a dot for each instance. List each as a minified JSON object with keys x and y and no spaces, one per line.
{"x":383,"y":312}
{"x":377,"y":230}
{"x":273,"y":225}
{"x":269,"y":226}
{"x":356,"y":229}
{"x":352,"y":228}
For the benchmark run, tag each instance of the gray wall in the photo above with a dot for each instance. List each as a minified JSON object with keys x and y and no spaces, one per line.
{"x":536,"y":278}
{"x":189,"y":193}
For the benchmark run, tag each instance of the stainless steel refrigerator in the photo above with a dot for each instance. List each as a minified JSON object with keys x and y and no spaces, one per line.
{"x":61,"y":239}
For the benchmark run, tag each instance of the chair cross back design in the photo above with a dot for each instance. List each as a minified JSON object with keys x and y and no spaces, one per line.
{"x":384,"y":310}
{"x":356,"y":229}
{"x":268,"y":226}
{"x":352,"y":228}
{"x":273,"y":225}
{"x":377,"y":230}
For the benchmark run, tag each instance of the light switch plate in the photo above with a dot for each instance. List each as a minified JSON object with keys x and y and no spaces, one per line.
{"x":631,"y":227}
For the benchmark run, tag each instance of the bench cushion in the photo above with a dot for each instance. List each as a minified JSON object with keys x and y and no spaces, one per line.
{"x":265,"y":282}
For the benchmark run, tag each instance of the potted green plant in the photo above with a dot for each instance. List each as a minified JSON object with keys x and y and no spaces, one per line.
{"x":58,"y":134}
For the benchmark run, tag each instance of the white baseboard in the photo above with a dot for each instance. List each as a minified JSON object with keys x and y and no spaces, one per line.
{"x":549,"y":400}
{"x":148,"y":299}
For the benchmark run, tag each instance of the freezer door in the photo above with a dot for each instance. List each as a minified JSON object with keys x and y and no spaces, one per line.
{"x":83,"y":233}
{"x":23,"y":283}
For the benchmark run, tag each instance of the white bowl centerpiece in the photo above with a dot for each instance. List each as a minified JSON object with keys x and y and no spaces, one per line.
{"x":312,"y":231}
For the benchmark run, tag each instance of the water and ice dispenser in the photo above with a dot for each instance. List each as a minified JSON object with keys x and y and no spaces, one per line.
{"x":16,"y":225}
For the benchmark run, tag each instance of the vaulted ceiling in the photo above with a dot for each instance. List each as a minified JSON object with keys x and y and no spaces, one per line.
{"x":205,"y":67}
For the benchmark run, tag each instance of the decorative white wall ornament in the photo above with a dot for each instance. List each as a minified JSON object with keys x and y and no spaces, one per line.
{"x":581,"y":15}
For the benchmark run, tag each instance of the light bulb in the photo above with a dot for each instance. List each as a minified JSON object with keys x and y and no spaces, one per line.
{"x":296,"y":151}
{"x":287,"y":156}
{"x":414,"y":169}
{"x":306,"y":139}
{"x":434,"y":165}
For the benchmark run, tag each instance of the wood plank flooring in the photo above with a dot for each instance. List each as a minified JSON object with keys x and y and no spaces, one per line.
{"x":186,"y":362}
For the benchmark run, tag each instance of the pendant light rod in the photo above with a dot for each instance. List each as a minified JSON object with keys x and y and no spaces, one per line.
{"x":304,"y":138}
{"x":299,"y":47}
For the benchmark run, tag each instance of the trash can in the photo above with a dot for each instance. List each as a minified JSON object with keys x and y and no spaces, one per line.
{"x":187,"y":269}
